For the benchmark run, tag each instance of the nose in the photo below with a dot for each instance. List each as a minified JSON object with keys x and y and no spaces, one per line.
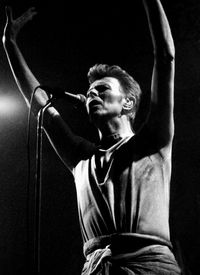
{"x":92,"y":93}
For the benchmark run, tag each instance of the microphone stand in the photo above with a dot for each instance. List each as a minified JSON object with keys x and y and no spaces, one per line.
{"x":38,"y":184}
{"x":38,"y":188}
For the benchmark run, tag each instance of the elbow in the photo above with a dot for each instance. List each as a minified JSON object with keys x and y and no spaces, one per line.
{"x":169,"y":56}
{"x":169,"y":48}
{"x":170,"y":52}
{"x":164,"y":48}
{"x":165,"y":54}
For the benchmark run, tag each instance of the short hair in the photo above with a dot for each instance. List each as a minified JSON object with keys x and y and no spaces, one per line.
{"x":129,"y":85}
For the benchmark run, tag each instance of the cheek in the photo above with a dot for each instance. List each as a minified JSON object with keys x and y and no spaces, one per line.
{"x":113,"y":98}
{"x":114,"y":105}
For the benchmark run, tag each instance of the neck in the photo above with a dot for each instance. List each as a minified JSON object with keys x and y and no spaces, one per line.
{"x":115,"y":130}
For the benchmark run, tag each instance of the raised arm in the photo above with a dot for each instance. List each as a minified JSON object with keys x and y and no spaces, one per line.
{"x":68,"y":146}
{"x":24,"y":78}
{"x":161,"y":115}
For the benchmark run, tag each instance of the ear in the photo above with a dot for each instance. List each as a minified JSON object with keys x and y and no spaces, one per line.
{"x":129,"y":104}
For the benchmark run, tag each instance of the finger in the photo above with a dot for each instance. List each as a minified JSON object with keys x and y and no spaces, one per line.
{"x":27,"y":15}
{"x":32,"y":12}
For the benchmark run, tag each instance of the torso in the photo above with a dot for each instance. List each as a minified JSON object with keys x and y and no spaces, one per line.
{"x":131,"y":194}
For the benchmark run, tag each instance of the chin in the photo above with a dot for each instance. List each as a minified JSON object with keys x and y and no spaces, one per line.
{"x":97,"y":117}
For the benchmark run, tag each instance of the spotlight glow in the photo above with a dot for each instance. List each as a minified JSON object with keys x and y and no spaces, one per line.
{"x":9,"y":105}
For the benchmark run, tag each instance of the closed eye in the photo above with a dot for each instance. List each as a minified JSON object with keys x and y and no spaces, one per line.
{"x":101,"y":88}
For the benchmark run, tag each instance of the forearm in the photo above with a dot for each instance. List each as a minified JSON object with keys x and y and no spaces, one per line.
{"x":70,"y":147}
{"x":159,"y":28}
{"x":160,"y":121}
{"x":23,"y":76}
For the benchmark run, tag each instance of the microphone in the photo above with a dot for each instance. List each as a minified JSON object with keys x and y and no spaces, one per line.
{"x":57,"y":92}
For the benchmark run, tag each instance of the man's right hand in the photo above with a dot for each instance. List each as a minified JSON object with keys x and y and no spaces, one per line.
{"x":13,"y":26}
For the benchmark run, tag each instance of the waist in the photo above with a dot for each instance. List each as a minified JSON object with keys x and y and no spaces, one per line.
{"x":123,"y":243}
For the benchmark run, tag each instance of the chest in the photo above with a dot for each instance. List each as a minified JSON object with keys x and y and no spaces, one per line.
{"x":121,"y":170}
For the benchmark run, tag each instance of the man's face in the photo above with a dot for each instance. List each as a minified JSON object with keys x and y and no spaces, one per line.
{"x":104,"y":99}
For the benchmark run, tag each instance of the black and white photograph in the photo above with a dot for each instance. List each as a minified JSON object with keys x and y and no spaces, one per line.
{"x":99,"y":137}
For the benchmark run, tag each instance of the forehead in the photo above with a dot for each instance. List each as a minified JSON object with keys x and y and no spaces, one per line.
{"x":111,"y":82}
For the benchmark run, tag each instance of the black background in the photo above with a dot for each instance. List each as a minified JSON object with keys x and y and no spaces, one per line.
{"x":60,"y":45}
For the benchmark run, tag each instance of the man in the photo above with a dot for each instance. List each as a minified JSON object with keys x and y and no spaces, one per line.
{"x":123,"y":182}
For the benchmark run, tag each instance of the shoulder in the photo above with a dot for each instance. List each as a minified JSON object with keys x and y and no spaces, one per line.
{"x":143,"y":144}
